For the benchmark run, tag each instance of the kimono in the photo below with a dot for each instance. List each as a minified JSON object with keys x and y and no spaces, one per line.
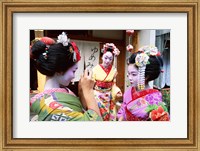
{"x":146,"y":105}
{"x":105,"y":91}
{"x":60,"y":104}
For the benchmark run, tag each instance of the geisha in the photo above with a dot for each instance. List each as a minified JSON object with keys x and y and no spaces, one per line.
{"x":105,"y":89}
{"x":140,"y":102}
{"x":58,"y":103}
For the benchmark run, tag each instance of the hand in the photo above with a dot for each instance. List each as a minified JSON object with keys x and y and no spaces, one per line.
{"x":83,"y":84}
{"x":86,"y":83}
{"x":86,"y":92}
{"x":119,"y":94}
{"x":81,"y":96}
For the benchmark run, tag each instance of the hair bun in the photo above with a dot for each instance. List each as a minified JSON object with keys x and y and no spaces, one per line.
{"x":37,"y":49}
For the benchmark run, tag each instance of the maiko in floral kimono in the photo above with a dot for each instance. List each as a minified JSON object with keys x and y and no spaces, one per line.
{"x":60,"y":104}
{"x":105,"y":91}
{"x":146,"y":105}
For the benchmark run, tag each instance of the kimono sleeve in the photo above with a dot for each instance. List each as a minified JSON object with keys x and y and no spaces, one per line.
{"x":50,"y":110}
{"x":126,"y":99}
{"x":88,"y":115}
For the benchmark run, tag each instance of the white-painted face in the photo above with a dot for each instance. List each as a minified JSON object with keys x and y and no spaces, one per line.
{"x":133,"y":75}
{"x":107,"y":59}
{"x":65,"y":79}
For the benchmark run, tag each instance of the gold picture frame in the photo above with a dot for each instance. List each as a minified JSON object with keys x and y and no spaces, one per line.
{"x":191,"y":7}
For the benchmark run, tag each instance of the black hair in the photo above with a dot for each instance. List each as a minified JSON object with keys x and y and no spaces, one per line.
{"x":110,"y":50}
{"x":153,"y":69}
{"x":56,"y":58}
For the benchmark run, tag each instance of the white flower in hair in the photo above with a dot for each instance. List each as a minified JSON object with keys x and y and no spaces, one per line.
{"x":62,"y":38}
{"x":153,"y":51}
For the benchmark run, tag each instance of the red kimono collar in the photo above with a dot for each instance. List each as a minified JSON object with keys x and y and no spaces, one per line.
{"x":107,"y":70}
{"x":136,"y":95}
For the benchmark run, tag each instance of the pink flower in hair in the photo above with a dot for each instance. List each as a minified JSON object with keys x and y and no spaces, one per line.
{"x":111,"y":46}
{"x":116,"y":52}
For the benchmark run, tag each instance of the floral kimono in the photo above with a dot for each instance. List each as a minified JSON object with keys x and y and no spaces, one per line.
{"x":105,"y":91}
{"x":60,"y":104}
{"x":145,"y":105}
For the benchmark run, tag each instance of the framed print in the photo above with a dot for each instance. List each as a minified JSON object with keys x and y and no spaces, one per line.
{"x":19,"y":18}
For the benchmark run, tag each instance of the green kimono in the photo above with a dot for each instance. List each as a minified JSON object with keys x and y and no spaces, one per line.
{"x":59,"y":105}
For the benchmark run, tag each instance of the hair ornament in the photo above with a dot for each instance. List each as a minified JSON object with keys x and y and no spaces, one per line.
{"x":129,"y":48}
{"x":45,"y":54}
{"x":47,"y":41}
{"x":141,"y":80}
{"x":76,"y":52}
{"x":141,"y":60}
{"x":149,"y":50}
{"x":62,"y":38}
{"x":111,"y":46}
{"x":116,"y":52}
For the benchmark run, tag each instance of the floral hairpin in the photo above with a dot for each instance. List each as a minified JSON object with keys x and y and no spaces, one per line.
{"x":115,"y":51}
{"x":143,"y":57}
{"x":62,"y":38}
{"x":150,"y":50}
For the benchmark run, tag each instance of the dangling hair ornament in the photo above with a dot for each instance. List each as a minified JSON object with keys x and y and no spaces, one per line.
{"x":115,"y":51}
{"x":130,"y":33}
{"x":141,"y":60}
{"x":76,"y":52}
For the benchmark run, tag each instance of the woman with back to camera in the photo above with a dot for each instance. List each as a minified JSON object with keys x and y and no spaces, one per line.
{"x":57,"y":103}
{"x":140,"y":102}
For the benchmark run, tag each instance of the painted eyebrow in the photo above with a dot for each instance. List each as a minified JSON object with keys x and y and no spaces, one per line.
{"x":107,"y":57}
{"x":133,"y":72}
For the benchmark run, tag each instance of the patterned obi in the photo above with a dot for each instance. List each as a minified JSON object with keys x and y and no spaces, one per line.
{"x":104,"y":85}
